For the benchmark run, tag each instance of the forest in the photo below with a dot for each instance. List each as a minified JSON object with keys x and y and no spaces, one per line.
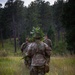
{"x":57,"y":21}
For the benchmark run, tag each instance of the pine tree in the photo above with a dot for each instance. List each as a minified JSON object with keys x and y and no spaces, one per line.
{"x":69,"y":24}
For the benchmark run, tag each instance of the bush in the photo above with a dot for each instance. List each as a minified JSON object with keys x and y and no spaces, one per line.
{"x":60,"y":48}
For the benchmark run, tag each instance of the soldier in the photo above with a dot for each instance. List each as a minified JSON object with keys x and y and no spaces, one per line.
{"x":38,"y":51}
{"x":47,"y":41}
{"x":24,"y":47}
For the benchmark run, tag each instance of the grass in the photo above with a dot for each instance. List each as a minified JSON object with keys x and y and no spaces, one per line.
{"x":58,"y":66}
{"x":8,"y":49}
{"x":62,"y":66}
{"x":12,"y":66}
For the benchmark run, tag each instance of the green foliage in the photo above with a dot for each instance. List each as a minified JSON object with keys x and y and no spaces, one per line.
{"x":56,"y":14}
{"x":69,"y":24}
{"x":60,"y":48}
{"x":37,"y":32}
{"x":8,"y":49}
{"x":20,"y":19}
{"x":22,"y":38}
{"x":45,"y":15}
{"x":39,"y":13}
{"x":51,"y":35}
{"x":17,"y":21}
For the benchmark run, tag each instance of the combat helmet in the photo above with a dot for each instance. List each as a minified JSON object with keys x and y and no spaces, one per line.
{"x":37,"y":33}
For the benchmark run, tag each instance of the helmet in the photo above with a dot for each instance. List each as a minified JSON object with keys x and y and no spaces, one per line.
{"x":37,"y":33}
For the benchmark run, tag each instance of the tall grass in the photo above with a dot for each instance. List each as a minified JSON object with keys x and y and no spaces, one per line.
{"x":62,"y":66}
{"x":9,"y":49}
{"x":58,"y":66}
{"x":12,"y":66}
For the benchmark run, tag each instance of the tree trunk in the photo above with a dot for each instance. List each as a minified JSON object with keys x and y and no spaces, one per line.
{"x":2,"y":39}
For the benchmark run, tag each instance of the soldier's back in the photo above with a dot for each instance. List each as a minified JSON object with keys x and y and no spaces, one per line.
{"x":37,"y":53}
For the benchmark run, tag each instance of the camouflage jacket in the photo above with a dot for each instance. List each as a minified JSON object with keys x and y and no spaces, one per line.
{"x":48,"y":42}
{"x":24,"y":47}
{"x":38,"y":52}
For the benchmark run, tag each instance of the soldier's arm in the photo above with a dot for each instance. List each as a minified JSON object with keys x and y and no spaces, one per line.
{"x":47,"y":53}
{"x":50,"y":43}
{"x":22,"y":47}
{"x":47,"y":50}
{"x":29,"y":51}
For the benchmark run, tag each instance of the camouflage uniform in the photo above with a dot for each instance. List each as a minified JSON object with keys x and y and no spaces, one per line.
{"x":24,"y":47}
{"x":39,"y":52}
{"x":49,"y":43}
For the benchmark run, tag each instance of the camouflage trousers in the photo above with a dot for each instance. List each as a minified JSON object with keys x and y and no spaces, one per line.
{"x":37,"y":70}
{"x":27,"y":62}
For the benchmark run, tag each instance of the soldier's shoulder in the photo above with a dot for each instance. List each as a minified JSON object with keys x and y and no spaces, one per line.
{"x":32,"y":44}
{"x":49,"y":40}
{"x":44,"y":44}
